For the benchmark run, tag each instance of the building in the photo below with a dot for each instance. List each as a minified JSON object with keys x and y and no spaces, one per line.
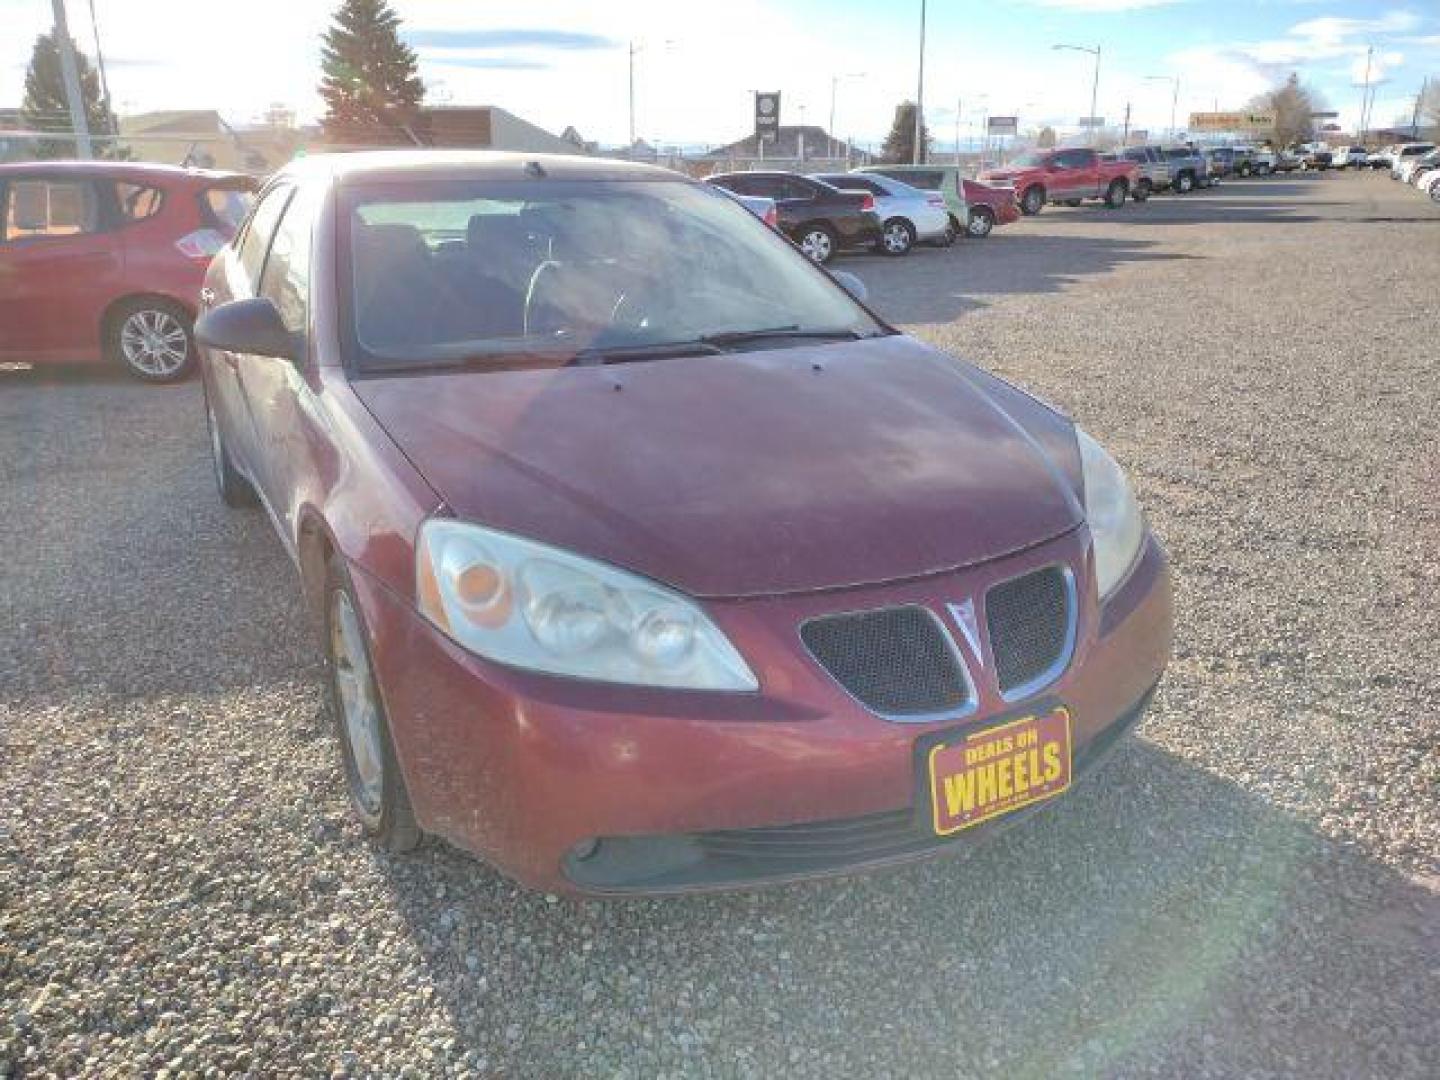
{"x":201,"y":138}
{"x":486,"y":127}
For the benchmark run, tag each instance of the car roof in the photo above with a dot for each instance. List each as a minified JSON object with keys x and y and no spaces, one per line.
{"x":138,"y":170}
{"x":387,"y":166}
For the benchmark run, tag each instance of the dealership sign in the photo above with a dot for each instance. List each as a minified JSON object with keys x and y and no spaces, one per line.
{"x":1092,"y":121}
{"x":767,"y":116}
{"x":1230,"y":121}
{"x":1003,"y":125}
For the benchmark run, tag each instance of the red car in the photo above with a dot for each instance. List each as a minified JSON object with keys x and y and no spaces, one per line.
{"x":647,"y":558}
{"x":999,"y":201}
{"x":1066,"y":176}
{"x":104,"y":260}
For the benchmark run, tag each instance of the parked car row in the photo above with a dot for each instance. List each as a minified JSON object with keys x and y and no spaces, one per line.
{"x":1422,"y":171}
{"x":888,"y":209}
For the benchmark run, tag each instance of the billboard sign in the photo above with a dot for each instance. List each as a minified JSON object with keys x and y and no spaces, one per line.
{"x":1003,"y":125}
{"x":1092,"y":122}
{"x":767,"y":115}
{"x":1231,"y":121}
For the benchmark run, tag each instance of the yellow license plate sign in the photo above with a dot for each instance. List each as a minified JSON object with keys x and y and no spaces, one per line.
{"x":982,"y":774}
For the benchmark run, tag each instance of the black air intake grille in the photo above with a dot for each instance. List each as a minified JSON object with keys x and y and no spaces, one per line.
{"x":896,"y":661}
{"x":1028,"y":619}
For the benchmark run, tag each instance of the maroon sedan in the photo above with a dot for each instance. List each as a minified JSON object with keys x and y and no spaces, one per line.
{"x":103,"y":260}
{"x":647,"y":558}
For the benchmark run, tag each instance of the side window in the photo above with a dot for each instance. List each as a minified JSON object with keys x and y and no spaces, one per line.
{"x":740,"y":185}
{"x":138,"y":201}
{"x":259,"y":231}
{"x":286,"y":279}
{"x":768,"y":186}
{"x":795,"y":188}
{"x":37,"y":209}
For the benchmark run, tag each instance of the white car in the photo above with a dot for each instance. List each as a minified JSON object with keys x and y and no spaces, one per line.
{"x":1380,"y":159}
{"x":1345,"y":156}
{"x":1411,"y":168}
{"x":1430,"y":184}
{"x":1405,"y":153}
{"x":907,"y":215}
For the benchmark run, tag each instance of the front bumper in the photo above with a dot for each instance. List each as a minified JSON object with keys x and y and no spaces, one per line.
{"x":528,"y":771}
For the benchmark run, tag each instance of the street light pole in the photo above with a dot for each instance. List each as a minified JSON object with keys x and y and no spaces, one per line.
{"x":830,"y":131}
{"x":1094,"y":85}
{"x":633,"y":50}
{"x":917,"y":152}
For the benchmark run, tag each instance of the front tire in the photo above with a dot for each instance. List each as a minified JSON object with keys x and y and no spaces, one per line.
{"x":1143,"y":190}
{"x":378,"y":796}
{"x":1185,"y":183}
{"x":1115,"y":194}
{"x":897,"y":237}
{"x":1033,"y":201}
{"x":982,"y":222}
{"x":818,"y":243}
{"x":152,"y":338}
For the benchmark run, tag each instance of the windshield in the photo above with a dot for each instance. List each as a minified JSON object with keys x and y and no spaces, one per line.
{"x":491,"y":273}
{"x":1031,"y":160}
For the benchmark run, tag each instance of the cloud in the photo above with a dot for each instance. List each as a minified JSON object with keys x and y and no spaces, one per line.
{"x":535,"y":38}
{"x":1103,"y":5}
{"x":488,"y":63}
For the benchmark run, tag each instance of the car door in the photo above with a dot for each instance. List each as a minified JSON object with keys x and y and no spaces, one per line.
{"x":1060,"y":180}
{"x":276,"y":394}
{"x":239,"y":279}
{"x":60,"y":265}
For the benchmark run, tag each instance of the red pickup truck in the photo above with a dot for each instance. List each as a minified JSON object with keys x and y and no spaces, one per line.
{"x":1066,"y":176}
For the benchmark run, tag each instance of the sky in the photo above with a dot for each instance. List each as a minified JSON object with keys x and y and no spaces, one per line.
{"x":567,"y":62}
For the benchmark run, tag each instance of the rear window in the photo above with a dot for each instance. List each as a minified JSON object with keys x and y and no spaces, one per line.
{"x":138,"y":201}
{"x":225,"y":208}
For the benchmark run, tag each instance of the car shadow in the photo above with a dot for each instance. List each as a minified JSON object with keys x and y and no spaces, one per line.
{"x":1216,"y":923}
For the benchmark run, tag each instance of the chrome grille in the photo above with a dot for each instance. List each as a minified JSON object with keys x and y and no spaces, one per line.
{"x":1030,"y":620}
{"x":895,"y":661}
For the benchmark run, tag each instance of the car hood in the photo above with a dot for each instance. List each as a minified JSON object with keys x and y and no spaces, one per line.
{"x":750,"y":473}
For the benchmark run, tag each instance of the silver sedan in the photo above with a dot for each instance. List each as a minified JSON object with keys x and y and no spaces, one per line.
{"x":907,"y":215}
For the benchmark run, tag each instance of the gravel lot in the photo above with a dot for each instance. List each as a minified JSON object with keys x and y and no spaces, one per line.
{"x":1252,"y":890}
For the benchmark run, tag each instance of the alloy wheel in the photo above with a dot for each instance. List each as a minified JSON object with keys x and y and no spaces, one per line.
{"x":817,"y":245}
{"x":980,"y":225}
{"x":897,"y":238}
{"x":359,"y":706}
{"x":154,"y":342}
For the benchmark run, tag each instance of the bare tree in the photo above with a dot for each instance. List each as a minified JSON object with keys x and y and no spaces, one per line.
{"x":1293,"y":105}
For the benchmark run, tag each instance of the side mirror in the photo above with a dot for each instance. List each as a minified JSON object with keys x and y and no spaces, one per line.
{"x":247,"y":326}
{"x":851,"y":284}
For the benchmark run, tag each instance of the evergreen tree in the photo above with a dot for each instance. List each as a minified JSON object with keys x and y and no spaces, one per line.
{"x":45,"y":107}
{"x":899,"y":146}
{"x":371,"y":83}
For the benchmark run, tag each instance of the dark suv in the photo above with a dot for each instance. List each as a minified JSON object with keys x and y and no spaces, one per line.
{"x":817,"y":217}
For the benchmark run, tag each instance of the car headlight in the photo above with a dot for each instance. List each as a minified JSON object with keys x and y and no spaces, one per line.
{"x":1116,"y":525}
{"x":533,"y":606}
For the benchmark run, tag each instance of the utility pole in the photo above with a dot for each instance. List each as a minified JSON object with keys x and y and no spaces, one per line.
{"x":1365,"y":93}
{"x":633,"y":50}
{"x":959,"y":108}
{"x":1125,"y":138}
{"x":71,"y":72}
{"x":918,"y":153}
{"x":104,"y":82}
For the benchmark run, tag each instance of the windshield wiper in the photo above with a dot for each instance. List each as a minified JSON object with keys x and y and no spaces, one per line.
{"x":629,"y":354}
{"x":740,"y":337}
